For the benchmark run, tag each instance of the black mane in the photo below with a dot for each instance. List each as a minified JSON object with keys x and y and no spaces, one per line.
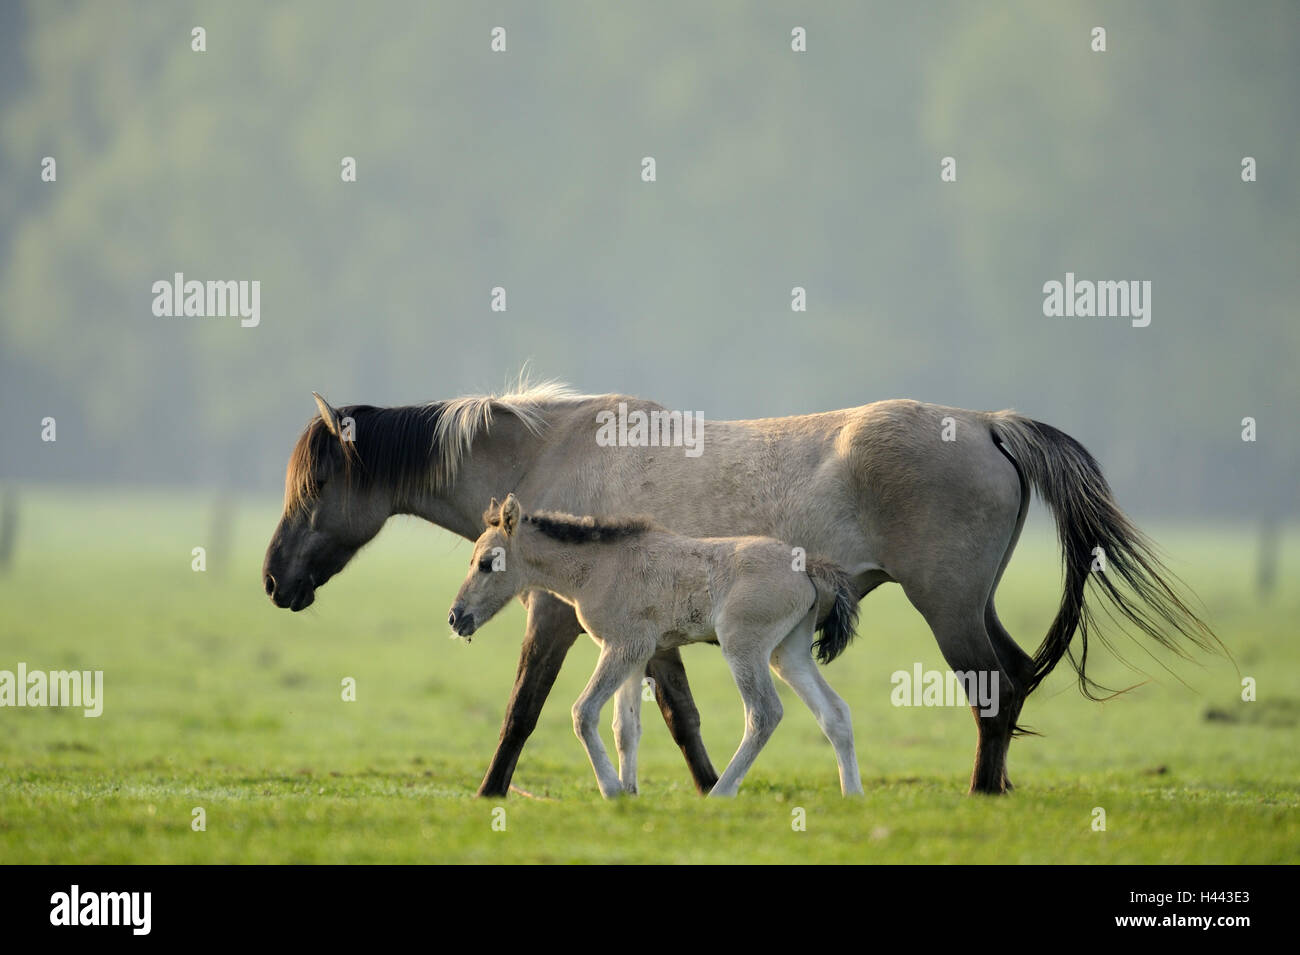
{"x":569,"y":529}
{"x":392,"y":447}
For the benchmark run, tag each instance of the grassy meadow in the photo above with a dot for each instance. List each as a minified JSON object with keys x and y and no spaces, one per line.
{"x":214,"y":699}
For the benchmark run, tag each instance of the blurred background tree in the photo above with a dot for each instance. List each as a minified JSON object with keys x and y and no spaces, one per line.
{"x":775,"y":169}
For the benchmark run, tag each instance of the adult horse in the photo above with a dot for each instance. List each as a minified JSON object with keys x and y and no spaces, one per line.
{"x":930,"y":497}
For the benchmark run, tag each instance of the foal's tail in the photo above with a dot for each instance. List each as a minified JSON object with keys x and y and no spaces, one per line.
{"x":837,"y":599}
{"x":1094,"y":532}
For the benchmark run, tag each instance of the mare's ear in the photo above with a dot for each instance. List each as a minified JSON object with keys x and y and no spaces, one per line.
{"x":493,"y":513}
{"x":510,"y":514}
{"x":328,"y":415}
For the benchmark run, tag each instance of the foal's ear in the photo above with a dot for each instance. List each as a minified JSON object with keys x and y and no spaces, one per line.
{"x":493,"y":513}
{"x":328,"y":415}
{"x":510,"y":514}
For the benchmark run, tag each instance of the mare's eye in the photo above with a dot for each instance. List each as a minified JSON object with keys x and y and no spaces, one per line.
{"x":485,"y":565}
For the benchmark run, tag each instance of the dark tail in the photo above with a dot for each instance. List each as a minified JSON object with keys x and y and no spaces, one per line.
{"x":1134,"y":581}
{"x":837,"y":599}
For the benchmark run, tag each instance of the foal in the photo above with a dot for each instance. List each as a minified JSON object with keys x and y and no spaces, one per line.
{"x":638,"y":588}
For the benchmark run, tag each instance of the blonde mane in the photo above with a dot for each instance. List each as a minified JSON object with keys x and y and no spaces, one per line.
{"x":418,"y":449}
{"x":463,"y":419}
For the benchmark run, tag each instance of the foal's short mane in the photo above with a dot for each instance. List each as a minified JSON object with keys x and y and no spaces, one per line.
{"x":570,"y":529}
{"x":415,"y":449}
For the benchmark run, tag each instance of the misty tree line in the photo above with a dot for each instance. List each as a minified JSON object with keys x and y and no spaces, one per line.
{"x":775,"y":169}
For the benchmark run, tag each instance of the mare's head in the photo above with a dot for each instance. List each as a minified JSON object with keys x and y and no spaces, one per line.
{"x":494,"y":575}
{"x":333,"y":505}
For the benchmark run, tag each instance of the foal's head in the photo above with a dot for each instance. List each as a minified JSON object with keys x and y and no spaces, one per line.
{"x":494,"y":573}
{"x":331,"y":509}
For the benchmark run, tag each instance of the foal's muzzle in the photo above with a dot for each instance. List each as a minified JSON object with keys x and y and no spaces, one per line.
{"x":461,"y":622}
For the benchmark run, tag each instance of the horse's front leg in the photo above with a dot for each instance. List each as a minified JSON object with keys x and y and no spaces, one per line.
{"x":552,"y":629}
{"x":673,"y":693}
{"x":627,"y":729}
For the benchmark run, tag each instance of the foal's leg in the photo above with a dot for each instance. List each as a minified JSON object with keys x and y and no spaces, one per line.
{"x":552,"y":629}
{"x":793,"y":662}
{"x":618,"y":664}
{"x":748,"y":657}
{"x":627,"y":730}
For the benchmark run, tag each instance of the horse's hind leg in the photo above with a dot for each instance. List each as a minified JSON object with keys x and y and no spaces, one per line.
{"x":1019,"y":665}
{"x":792,"y":660}
{"x":953,"y":605}
{"x":627,"y":730}
{"x":1016,"y":665}
{"x":618,"y":664}
{"x":966,"y":647}
{"x":994,"y":720}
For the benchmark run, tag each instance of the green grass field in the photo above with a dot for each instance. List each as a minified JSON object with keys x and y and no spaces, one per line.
{"x":215,"y":699}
